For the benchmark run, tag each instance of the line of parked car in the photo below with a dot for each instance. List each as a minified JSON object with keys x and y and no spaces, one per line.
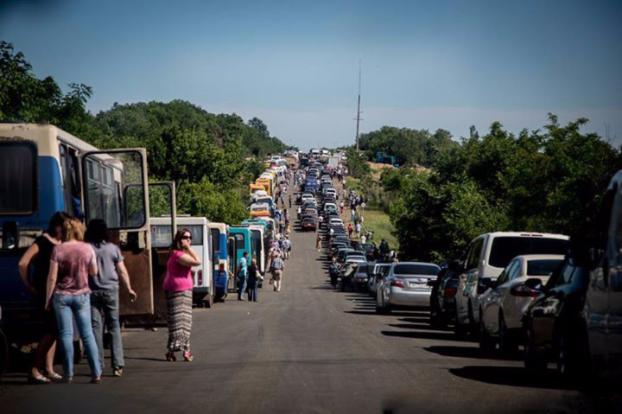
{"x":560,"y":300}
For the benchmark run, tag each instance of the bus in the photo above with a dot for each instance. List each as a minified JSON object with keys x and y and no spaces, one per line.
{"x":161,"y":235}
{"x":238,"y":243}
{"x":44,"y":169}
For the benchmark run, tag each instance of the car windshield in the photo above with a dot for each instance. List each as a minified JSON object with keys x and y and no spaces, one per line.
{"x":542,"y":267}
{"x":505,"y":249}
{"x":416,"y":269}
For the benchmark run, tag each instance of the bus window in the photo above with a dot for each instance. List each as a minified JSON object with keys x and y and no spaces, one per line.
{"x":215,"y":243}
{"x":71,"y":180}
{"x":115,"y":188}
{"x":18,"y":178}
{"x":161,"y":235}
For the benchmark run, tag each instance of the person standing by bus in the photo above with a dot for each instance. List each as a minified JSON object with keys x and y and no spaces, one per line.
{"x":38,"y":256}
{"x":178,"y":285}
{"x":253,"y":275}
{"x":242,"y":275}
{"x":221,"y":281}
{"x":71,"y":263}
{"x":105,"y":293}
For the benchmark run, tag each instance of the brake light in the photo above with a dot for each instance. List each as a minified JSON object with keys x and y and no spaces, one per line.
{"x":524,"y":291}
{"x":200,"y":278}
{"x":450,"y":292}
{"x":397,"y":283}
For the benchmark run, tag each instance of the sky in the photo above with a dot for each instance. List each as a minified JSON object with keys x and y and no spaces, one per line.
{"x":294,"y":64}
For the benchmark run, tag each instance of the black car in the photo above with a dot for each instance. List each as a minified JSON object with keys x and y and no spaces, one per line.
{"x":442,"y":297}
{"x":554,"y":324}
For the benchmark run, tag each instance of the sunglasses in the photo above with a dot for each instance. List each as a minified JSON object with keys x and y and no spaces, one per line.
{"x":187,"y":238}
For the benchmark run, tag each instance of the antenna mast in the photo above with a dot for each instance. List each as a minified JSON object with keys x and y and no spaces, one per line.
{"x":358,"y":110}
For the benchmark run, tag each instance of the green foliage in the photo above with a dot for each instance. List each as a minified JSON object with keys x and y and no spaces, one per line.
{"x":208,"y":156}
{"x":550,"y":181}
{"x":208,"y":200}
{"x":357,"y":164}
{"x":409,"y":146}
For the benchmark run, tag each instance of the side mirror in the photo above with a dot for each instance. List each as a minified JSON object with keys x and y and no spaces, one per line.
{"x":534,"y":283}
{"x":483,"y":284}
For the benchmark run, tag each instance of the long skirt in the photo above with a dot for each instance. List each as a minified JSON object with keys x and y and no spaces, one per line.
{"x":179,"y":306}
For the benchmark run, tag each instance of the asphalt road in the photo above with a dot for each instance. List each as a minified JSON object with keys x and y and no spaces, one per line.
{"x":307,"y":349}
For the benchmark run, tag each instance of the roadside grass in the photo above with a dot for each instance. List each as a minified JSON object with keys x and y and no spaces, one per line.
{"x":379,"y":223}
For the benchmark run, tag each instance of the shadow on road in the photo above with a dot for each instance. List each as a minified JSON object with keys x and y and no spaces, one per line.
{"x":514,"y":376}
{"x":426,"y":327}
{"x":445,"y":336}
{"x":469,"y":352}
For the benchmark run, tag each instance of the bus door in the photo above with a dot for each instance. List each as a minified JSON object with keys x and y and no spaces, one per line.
{"x":233,"y":261}
{"x":116,"y":191}
{"x":162,"y":202}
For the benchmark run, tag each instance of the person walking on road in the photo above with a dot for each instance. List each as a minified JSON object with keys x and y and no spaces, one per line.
{"x":253,"y":275}
{"x":71,"y":264}
{"x":242,"y":275}
{"x":105,"y":293}
{"x":178,"y":285}
{"x":318,"y":242}
{"x":276,"y":267}
{"x":350,"y":230}
{"x":38,"y":256}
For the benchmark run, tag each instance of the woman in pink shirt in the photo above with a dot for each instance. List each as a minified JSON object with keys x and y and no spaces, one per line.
{"x":71,"y":264}
{"x":178,"y":285}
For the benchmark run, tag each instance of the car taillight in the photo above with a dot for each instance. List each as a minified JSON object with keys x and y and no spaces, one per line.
{"x":450,"y":292}
{"x":200,"y":277}
{"x":524,"y":291}
{"x":397,"y":283}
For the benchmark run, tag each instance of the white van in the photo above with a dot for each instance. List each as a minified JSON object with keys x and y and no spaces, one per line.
{"x":487,"y":256}
{"x":603,"y":302}
{"x":203,"y":291}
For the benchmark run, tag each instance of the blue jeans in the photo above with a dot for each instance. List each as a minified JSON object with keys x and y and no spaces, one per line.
{"x":105,"y":308}
{"x":78,"y":306}
{"x":242,"y":286}
{"x":252,"y":291}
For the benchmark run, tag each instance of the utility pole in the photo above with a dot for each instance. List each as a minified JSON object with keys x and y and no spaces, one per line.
{"x":358,"y":110}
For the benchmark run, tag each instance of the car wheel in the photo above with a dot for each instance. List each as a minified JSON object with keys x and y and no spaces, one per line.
{"x":435,"y":320}
{"x":486,"y":343}
{"x":572,"y":358}
{"x":507,"y":344}
{"x":534,"y":360}
{"x":459,"y":329}
{"x":472,"y":325}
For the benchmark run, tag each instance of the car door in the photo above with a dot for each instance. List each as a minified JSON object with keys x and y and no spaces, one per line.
{"x":613,"y":317}
{"x":510,"y":305}
{"x":597,"y":297}
{"x":492,"y":301}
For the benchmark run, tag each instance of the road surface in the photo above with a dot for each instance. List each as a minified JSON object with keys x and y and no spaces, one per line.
{"x":307,"y":349}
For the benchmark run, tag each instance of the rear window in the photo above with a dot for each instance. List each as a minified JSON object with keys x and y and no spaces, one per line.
{"x":416,"y":269}
{"x":504,"y":249}
{"x":17,"y":178}
{"x":541,"y":267}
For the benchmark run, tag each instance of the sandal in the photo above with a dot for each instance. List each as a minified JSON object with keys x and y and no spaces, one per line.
{"x":53,"y":376}
{"x":188,"y":356}
{"x":96,"y":380}
{"x":38,"y":380}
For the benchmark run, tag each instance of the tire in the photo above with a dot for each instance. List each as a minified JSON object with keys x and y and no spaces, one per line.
{"x":534,"y":360}
{"x":210,"y":301}
{"x":4,"y":353}
{"x":572,"y":359}
{"x":486,"y":343}
{"x":507,"y":344}
{"x":459,"y":329}
{"x":435,"y":319}
{"x":472,"y":326}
